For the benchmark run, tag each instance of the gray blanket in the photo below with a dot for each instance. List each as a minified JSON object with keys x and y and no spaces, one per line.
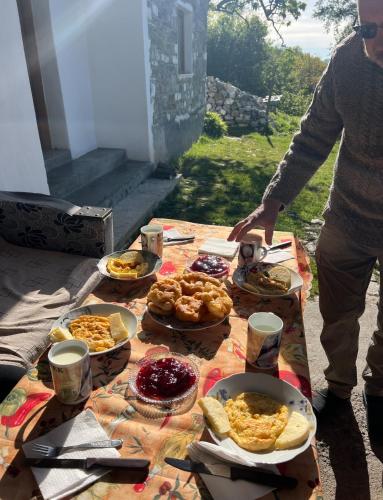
{"x":36,"y":287}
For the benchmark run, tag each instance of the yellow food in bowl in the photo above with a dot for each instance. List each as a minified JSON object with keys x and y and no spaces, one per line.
{"x":256,"y":420}
{"x":130,"y":265}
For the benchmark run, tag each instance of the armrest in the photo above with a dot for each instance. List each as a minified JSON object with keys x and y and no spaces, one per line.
{"x":42,"y":221}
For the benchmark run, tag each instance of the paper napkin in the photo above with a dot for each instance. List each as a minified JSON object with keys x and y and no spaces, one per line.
{"x":220,"y":487}
{"x":276,"y":256}
{"x":174,"y":233}
{"x":59,"y":483}
{"x":217,"y":246}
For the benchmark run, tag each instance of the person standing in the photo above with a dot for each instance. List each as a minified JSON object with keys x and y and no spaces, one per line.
{"x":347,"y":103}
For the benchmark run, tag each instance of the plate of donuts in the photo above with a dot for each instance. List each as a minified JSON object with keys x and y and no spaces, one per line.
{"x":189,"y":302}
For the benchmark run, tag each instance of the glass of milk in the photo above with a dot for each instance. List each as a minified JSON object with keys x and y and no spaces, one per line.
{"x":264,"y":340}
{"x":71,"y":374}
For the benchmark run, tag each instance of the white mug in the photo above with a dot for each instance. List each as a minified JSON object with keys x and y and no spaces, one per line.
{"x":264,"y":339}
{"x":251,"y":250}
{"x":152,"y":238}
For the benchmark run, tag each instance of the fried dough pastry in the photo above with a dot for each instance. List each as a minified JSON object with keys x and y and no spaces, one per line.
{"x":189,"y":309}
{"x":216,"y":301}
{"x":192,"y":283}
{"x":94,"y":330}
{"x":162,"y":296}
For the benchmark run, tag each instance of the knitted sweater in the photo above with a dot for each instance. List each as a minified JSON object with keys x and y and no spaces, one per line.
{"x":349,"y":101}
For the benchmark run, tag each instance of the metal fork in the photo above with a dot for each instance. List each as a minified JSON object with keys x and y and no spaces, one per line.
{"x":54,"y":451}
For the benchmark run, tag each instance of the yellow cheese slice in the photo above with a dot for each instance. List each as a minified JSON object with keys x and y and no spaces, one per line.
{"x":58,"y":334}
{"x":215,"y":415}
{"x":295,"y":433}
{"x":117,"y":328}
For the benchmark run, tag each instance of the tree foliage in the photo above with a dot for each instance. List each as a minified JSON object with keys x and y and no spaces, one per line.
{"x":339,"y":15}
{"x":276,"y":12}
{"x":237,"y":51}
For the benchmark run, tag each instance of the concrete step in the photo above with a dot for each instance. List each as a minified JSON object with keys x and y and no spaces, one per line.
{"x":138,"y":208}
{"x":83,"y":171}
{"x":54,"y":158}
{"x":110,"y":189}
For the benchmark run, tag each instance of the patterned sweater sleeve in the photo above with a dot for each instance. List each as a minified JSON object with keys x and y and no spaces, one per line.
{"x":320,"y":128}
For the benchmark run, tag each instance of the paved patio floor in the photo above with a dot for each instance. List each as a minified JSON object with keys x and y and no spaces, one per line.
{"x":349,"y":468}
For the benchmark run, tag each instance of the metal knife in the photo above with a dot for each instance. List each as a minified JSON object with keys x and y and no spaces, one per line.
{"x":252,"y":474}
{"x":88,"y":463}
{"x":178,"y":238}
{"x":285,"y":244}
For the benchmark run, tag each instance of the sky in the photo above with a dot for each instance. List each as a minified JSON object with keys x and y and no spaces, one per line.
{"x":309,"y":34}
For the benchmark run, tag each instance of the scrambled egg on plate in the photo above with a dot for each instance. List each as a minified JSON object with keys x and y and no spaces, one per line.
{"x":256,"y":420}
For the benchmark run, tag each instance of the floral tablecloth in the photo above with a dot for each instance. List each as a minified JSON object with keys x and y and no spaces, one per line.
{"x":31,"y":408}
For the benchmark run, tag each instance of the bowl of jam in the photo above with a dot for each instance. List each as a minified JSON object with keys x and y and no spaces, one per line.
{"x":164,"y":379}
{"x":213,"y":265}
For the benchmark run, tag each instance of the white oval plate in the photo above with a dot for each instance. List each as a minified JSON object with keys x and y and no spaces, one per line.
{"x":154,"y":261}
{"x":275,"y":388}
{"x":128,"y":318}
{"x":173,"y":323}
{"x":239,"y":278}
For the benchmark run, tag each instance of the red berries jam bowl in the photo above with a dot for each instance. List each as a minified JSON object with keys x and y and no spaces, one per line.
{"x":213,"y":265}
{"x":165,"y":379}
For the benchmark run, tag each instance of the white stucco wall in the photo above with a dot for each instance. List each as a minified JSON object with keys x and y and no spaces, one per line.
{"x":69,"y":21}
{"x":21,"y":161}
{"x":118,"y":59}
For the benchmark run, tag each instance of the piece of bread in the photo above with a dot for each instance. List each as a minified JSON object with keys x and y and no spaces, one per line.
{"x":117,"y":328}
{"x":295,"y":433}
{"x":215,"y":415}
{"x":58,"y":334}
{"x":280,"y":273}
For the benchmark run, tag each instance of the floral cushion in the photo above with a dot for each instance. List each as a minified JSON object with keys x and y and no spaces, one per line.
{"x":41,"y":221}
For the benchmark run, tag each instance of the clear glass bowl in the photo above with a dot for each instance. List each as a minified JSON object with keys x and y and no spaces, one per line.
{"x":170,"y":404}
{"x":221,"y":275}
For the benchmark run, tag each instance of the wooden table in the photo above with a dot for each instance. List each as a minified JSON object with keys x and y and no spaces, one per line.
{"x":32,"y":409}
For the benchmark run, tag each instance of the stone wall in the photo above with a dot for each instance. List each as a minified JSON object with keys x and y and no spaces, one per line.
{"x":236,"y":107}
{"x":178,"y":101}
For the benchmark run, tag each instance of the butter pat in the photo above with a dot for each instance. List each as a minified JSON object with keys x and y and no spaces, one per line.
{"x":117,"y":328}
{"x":215,"y":415}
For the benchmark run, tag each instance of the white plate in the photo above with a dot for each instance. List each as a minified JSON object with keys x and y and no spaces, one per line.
{"x":154,"y":261}
{"x":128,"y":318}
{"x":239,"y":278}
{"x":275,"y":388}
{"x":174,"y":323}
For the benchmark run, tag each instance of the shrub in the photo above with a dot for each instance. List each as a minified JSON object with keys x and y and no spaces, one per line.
{"x":284,"y":124}
{"x":294,"y":104}
{"x":214,"y":126}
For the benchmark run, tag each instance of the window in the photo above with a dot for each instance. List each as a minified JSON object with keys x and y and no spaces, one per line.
{"x":184,"y":33}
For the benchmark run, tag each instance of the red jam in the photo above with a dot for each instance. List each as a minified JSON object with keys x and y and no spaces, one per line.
{"x":165,"y":378}
{"x":210,"y":264}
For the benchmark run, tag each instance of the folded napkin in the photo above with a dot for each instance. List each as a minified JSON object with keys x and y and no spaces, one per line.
{"x":217,"y":246}
{"x":59,"y":483}
{"x":174,"y":233}
{"x":220,"y":487}
{"x":276,"y":256}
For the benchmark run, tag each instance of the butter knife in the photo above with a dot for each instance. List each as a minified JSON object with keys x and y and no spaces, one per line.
{"x":252,"y":474}
{"x":88,"y":463}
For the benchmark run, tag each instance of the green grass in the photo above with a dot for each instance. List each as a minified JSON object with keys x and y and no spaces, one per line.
{"x":224,"y":179}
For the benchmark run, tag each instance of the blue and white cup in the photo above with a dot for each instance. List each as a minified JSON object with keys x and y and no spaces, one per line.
{"x":264,"y":340}
{"x":71,"y":373}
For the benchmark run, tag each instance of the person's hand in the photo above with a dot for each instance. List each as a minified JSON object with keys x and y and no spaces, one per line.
{"x":264,"y":216}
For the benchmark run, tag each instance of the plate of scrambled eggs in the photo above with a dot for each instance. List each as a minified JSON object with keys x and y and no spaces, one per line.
{"x":128,"y":265}
{"x":260,"y":418}
{"x":104,"y":327}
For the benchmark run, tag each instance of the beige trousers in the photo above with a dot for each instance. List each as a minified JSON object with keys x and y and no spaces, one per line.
{"x":344,"y":271}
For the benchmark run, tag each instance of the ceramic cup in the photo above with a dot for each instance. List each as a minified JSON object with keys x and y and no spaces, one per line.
{"x":152,"y":238}
{"x":264,"y":340}
{"x":251,"y":250}
{"x":71,"y":374}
